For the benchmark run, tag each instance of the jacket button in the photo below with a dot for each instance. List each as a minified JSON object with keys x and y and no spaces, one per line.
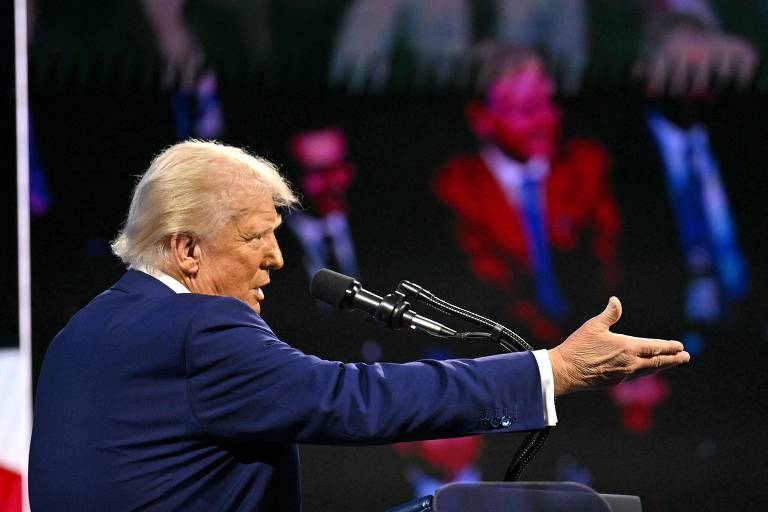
{"x":496,"y":422}
{"x":506,"y":421}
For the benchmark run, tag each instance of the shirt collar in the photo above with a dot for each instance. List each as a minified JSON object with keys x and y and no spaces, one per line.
{"x":673,"y":142}
{"x":164,"y":278}
{"x":510,"y":171}
{"x":668,"y":131}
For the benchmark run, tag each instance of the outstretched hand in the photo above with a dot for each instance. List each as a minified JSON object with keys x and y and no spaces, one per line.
{"x":594,"y":357}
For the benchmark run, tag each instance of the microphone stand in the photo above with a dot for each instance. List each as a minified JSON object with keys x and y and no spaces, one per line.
{"x":500,"y":334}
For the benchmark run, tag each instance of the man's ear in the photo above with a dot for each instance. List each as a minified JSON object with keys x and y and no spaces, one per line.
{"x":479,"y":119}
{"x":185,"y":253}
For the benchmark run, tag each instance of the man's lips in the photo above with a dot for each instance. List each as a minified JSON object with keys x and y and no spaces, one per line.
{"x":259,"y":294}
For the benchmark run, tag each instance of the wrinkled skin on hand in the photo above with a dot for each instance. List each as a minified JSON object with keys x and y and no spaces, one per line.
{"x":595,"y":357}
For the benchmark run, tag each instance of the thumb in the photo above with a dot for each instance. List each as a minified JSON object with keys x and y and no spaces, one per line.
{"x":611,"y":313}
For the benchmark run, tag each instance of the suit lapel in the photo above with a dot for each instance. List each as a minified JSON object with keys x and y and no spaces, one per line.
{"x":503,"y":219}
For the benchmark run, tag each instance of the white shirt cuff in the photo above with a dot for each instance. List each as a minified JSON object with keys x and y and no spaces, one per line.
{"x":547,"y":386}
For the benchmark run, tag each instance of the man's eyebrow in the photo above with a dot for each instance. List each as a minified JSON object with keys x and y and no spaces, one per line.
{"x":273,"y":227}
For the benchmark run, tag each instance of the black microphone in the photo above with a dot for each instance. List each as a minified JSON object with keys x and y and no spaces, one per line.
{"x":345,"y":292}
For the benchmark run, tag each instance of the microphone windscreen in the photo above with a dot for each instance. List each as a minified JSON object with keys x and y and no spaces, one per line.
{"x":331,"y":287}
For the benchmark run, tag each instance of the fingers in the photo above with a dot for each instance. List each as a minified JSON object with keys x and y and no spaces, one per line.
{"x":658,"y":71}
{"x":678,"y":78}
{"x":610,"y":314}
{"x":649,"y":347}
{"x":746,"y":68}
{"x":662,"y":362}
{"x":701,"y":75}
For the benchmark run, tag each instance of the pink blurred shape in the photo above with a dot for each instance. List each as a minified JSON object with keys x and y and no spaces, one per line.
{"x":319,"y":148}
{"x":450,"y":456}
{"x":326,"y":173}
{"x":637,"y":398}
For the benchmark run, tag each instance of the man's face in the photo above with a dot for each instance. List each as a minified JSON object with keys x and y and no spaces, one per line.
{"x":326,"y":174}
{"x":236,"y":260}
{"x":522,"y":118}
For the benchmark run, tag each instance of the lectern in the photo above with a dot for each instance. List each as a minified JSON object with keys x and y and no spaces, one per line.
{"x":520,"y":497}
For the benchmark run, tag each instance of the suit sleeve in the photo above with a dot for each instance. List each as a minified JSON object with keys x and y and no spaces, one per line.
{"x":244,"y":384}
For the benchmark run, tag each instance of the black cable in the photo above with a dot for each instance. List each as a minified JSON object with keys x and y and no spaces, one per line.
{"x":428,"y":298}
{"x":525,"y":453}
{"x":505,"y":337}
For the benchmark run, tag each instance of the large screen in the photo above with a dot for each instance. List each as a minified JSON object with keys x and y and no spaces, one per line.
{"x":523,"y":159}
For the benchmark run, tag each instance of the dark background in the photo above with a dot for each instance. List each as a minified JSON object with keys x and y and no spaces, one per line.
{"x":97,"y":131}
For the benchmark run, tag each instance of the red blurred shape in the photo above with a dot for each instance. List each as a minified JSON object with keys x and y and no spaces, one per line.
{"x":10,"y":491}
{"x":637,"y":400}
{"x":326,"y":173}
{"x":523,"y":165}
{"x":450,"y":456}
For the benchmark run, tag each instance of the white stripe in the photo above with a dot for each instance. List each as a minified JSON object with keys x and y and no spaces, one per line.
{"x":22,"y":202}
{"x":12,"y":450}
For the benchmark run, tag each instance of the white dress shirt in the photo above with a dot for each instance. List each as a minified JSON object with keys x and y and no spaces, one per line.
{"x":510,"y":174}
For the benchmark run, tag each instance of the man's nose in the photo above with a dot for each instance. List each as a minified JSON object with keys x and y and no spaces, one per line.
{"x":276,"y":256}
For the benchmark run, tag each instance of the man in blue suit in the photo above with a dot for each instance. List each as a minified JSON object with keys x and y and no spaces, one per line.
{"x":169,"y":392}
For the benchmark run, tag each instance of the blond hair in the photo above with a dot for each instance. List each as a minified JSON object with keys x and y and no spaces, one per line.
{"x":193,"y":187}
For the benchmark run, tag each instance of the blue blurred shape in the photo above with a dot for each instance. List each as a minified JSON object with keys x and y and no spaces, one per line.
{"x":694,"y":342}
{"x":39,"y":194}
{"x":569,"y":469}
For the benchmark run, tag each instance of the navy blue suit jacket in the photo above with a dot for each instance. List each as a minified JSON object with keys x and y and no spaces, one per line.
{"x":152,"y":400}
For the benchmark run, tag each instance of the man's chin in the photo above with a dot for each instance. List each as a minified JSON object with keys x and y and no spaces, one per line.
{"x":254,"y":306}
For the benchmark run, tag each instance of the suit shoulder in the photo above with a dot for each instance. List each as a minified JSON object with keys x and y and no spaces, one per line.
{"x":586,"y":154}
{"x":216,"y":312}
{"x":450,"y":181}
{"x":457,"y":165}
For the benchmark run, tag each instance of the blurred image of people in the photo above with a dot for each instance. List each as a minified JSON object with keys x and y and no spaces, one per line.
{"x":679,"y":222}
{"x":687,"y":58}
{"x":324,"y":176}
{"x":196,"y":105}
{"x":685,"y":49}
{"x":717,"y":276}
{"x":437,"y":37}
{"x":715,"y":267}
{"x":526,"y":197}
